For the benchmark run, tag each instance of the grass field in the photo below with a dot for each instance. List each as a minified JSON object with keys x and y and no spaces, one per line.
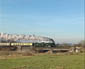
{"x":46,"y":61}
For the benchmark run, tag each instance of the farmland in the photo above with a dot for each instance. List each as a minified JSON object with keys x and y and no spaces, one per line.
{"x":43,"y":61}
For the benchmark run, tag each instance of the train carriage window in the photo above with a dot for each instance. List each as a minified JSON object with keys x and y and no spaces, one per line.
{"x":21,"y":44}
{"x":24,"y":43}
{"x":15,"y":43}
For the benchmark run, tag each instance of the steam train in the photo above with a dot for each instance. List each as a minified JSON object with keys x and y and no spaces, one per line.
{"x":13,"y":46}
{"x":22,"y":44}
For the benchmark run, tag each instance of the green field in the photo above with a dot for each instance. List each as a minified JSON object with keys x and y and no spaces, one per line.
{"x":45,"y":61}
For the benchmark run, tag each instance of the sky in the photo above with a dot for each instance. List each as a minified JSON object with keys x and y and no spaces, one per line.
{"x":62,"y":20}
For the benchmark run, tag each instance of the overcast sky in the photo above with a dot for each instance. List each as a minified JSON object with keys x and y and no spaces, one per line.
{"x":62,"y":20}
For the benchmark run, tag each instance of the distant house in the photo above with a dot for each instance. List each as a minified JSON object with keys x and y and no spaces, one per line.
{"x":75,"y":49}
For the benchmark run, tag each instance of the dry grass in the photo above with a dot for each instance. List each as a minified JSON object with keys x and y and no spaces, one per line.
{"x":12,"y":54}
